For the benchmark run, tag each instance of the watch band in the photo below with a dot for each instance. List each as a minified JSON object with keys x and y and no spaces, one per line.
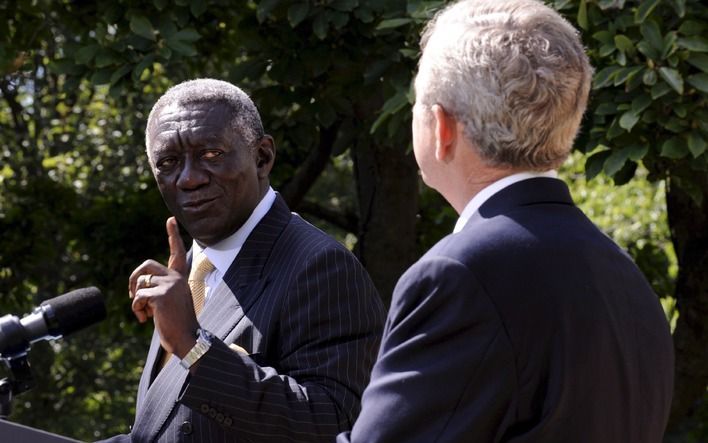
{"x":204,"y":339}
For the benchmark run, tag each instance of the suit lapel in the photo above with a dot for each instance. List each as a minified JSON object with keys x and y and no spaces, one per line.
{"x":242,"y":284}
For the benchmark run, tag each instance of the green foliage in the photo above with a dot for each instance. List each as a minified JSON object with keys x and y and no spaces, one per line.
{"x":649,"y":94}
{"x":78,"y":205}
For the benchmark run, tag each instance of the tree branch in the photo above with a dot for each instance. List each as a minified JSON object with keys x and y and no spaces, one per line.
{"x":346,"y":220}
{"x":305,"y":176}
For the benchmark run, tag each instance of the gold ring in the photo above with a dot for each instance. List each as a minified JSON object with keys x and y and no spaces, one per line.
{"x":148,"y":281}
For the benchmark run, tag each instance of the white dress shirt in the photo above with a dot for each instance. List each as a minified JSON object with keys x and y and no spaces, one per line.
{"x":223,"y":253}
{"x":482,"y":196}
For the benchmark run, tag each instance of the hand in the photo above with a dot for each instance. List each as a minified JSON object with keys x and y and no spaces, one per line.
{"x":168,"y":300}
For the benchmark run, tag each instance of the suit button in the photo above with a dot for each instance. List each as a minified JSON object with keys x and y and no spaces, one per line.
{"x":212,"y":413}
{"x":228,"y":421}
{"x":220,"y":417}
{"x":186,"y":428}
{"x":204,"y":408}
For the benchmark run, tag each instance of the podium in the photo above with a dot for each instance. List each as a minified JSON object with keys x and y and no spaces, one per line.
{"x":16,"y":433}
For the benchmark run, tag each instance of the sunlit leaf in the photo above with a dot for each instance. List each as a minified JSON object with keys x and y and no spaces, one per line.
{"x":140,"y":25}
{"x":673,"y":78}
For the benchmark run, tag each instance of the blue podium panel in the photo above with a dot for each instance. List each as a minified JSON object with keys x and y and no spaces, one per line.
{"x":15,"y":433}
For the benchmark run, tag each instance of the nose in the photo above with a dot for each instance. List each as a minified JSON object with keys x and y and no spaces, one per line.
{"x":192,"y":176}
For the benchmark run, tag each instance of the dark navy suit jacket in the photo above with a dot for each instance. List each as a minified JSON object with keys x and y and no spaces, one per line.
{"x":307,"y":312}
{"x":529,"y":325}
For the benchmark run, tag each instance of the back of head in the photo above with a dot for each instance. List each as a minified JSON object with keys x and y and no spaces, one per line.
{"x":513,"y":72}
{"x":244,"y":116}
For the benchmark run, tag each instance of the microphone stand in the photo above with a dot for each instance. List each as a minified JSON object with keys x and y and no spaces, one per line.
{"x":21,"y":381}
{"x":15,"y":359}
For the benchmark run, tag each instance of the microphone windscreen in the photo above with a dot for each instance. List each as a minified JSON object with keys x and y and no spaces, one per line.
{"x":75,"y":310}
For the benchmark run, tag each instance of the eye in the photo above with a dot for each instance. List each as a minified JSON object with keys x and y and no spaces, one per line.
{"x":166,"y":162}
{"x":211,"y":154}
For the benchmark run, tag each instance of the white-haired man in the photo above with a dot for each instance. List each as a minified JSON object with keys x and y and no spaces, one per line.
{"x":527,"y":324}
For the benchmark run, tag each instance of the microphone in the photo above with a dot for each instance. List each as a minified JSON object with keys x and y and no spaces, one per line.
{"x":52,"y":319}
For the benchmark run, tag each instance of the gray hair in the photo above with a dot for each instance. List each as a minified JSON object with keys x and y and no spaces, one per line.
{"x":244,"y":116}
{"x":514,"y":73}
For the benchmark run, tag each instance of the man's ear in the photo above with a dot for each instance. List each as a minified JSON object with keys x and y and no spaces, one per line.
{"x":265,"y":156}
{"x":445,"y":133}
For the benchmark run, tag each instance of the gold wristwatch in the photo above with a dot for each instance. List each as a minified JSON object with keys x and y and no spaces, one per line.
{"x":204,"y":339}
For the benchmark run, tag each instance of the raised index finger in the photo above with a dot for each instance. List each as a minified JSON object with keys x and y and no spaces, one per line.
{"x":178,"y":255}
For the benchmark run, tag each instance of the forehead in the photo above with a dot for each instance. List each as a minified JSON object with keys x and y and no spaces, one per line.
{"x":191,"y":122}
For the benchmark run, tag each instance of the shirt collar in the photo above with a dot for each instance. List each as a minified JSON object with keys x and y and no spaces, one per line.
{"x":223,"y":253}
{"x":482,"y":196}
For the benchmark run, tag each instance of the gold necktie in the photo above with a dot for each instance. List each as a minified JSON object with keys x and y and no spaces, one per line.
{"x":200,"y":269}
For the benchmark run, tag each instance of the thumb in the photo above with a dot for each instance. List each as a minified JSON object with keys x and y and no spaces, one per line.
{"x":178,"y":255}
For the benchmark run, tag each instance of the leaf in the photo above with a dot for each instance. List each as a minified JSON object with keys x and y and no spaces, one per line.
{"x":84,"y":55}
{"x":626,"y":74}
{"x":669,"y":44}
{"x":160,"y":4}
{"x":140,"y":25}
{"x":605,"y":76}
{"x":297,"y":13}
{"x":674,"y":148}
{"x":673,"y":78}
{"x":142,"y":66}
{"x":696,"y":144}
{"x":391,"y":106}
{"x":197,"y":7}
{"x":102,"y":76}
{"x":320,"y":26}
{"x":344,"y":5}
{"x":637,"y":152}
{"x":699,"y":81}
{"x":679,"y":7}
{"x":649,"y":78}
{"x":692,"y":27}
{"x":640,"y":103}
{"x":604,"y":37}
{"x":606,"y":109}
{"x":647,"y":49}
{"x":182,"y":47}
{"x":105,"y":58}
{"x":338,"y":19}
{"x":607,"y":49}
{"x":700,"y":61}
{"x":166,"y":26}
{"x":628,"y":120}
{"x":117,"y":75}
{"x":364,"y":14}
{"x":264,"y":8}
{"x":615,"y":161}
{"x":624,"y":44}
{"x":694,"y":43}
{"x":186,"y":35}
{"x":645,"y":9}
{"x":625,"y":174}
{"x":652,"y":34}
{"x":595,"y":163}
{"x":583,"y":15}
{"x":659,"y":90}
{"x":393,"y":23}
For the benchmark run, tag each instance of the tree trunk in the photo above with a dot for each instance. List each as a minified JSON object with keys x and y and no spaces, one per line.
{"x":387,"y":190}
{"x":688,"y":222}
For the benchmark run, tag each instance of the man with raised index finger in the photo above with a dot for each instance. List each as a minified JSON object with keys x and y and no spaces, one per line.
{"x":266,"y":330}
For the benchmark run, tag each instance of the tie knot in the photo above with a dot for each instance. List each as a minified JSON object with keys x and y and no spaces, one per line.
{"x":201,"y":268}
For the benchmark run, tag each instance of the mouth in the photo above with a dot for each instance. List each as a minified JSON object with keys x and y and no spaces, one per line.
{"x":197,"y":205}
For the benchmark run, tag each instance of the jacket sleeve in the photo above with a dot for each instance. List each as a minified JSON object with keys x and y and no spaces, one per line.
{"x":445,"y":371}
{"x":330,"y":324}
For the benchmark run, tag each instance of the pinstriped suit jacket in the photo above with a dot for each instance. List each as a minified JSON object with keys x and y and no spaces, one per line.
{"x":308,"y":314}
